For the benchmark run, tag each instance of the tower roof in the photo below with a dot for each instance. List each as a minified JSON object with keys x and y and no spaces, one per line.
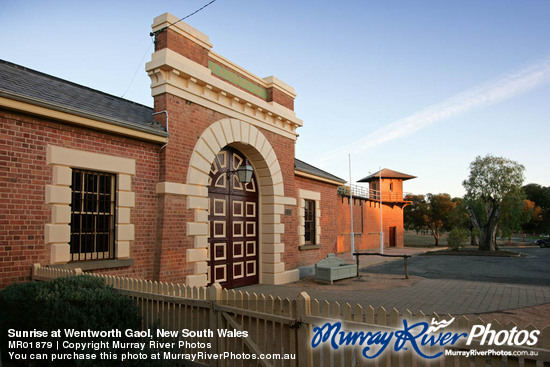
{"x":386,"y":173}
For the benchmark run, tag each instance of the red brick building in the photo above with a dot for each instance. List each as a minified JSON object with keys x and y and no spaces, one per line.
{"x":93,"y":181}
{"x":368,"y":219}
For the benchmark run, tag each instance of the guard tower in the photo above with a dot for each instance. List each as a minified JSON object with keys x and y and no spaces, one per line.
{"x":389,"y":184}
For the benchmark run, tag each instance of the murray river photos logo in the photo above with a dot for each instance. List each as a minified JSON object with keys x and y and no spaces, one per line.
{"x":418,"y":337}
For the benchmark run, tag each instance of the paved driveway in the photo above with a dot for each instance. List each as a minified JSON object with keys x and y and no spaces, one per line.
{"x":532,"y":269}
{"x":451,"y":284}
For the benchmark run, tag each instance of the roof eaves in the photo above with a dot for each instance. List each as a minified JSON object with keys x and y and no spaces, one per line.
{"x":60,"y":108}
{"x":309,"y":169}
{"x":388,"y":174}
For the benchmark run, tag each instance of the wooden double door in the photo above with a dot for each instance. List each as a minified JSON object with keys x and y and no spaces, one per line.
{"x":233,"y":219}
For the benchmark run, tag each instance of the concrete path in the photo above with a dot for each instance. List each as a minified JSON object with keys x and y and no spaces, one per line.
{"x":443,"y":296}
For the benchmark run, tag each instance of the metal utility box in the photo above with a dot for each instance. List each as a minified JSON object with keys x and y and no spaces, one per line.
{"x":332,"y":268}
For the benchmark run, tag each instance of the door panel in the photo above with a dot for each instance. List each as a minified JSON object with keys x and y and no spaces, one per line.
{"x":233,"y":217}
{"x":392,"y":236}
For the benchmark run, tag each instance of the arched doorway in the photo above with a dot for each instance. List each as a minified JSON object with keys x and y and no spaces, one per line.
{"x":233,"y":220}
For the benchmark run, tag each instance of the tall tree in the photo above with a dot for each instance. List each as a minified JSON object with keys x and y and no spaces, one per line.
{"x":439,"y":207}
{"x":415,"y":213}
{"x":515,"y":211}
{"x":540,"y":220}
{"x":458,"y":218}
{"x":491,"y":179}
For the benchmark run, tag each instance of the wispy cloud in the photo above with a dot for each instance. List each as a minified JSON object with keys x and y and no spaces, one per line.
{"x":488,"y":93}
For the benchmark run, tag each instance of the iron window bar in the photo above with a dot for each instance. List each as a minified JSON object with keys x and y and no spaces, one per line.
{"x":93,"y":210}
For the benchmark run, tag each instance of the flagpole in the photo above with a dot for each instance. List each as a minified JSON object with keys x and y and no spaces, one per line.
{"x":381,"y":221}
{"x":351,"y":211}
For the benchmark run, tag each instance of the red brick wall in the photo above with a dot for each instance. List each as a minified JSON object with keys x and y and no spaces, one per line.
{"x":170,"y":254}
{"x":366,"y":224}
{"x":187,"y":123}
{"x":397,"y":186}
{"x":23,"y":179}
{"x":159,"y":248}
{"x":293,"y":257}
{"x":160,"y":245}
{"x":169,"y":38}
{"x":284,"y":149}
{"x":275,"y":95}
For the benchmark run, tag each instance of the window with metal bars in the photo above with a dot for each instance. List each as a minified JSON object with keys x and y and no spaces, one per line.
{"x":92,"y":215}
{"x":309,"y":222}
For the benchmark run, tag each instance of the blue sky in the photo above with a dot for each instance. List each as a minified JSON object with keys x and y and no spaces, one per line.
{"x":420,"y":87}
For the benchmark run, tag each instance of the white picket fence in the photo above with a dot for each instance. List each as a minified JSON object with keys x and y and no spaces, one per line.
{"x":285,"y":326}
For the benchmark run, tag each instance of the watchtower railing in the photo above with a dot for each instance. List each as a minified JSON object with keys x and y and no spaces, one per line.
{"x":366,"y":193}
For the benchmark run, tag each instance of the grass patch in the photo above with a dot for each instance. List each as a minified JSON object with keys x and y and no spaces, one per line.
{"x":473,"y":251}
{"x":412,"y":239}
{"x":534,"y":238}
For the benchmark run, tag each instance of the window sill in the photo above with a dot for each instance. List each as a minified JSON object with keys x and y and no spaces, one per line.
{"x":95,"y":264}
{"x":309,"y":247}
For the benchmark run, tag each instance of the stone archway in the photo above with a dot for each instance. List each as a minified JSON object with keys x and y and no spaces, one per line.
{"x":251,"y":142}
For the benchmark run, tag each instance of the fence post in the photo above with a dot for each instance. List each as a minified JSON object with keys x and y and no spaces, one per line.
{"x":303,"y":308}
{"x":214,"y":292}
{"x":35,"y":268}
{"x":357,"y":261}
{"x":406,"y":258}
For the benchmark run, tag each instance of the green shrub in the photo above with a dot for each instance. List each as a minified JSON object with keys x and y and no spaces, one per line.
{"x":457,"y":238}
{"x":85,"y":302}
{"x":18,"y":307}
{"x":78,"y":303}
